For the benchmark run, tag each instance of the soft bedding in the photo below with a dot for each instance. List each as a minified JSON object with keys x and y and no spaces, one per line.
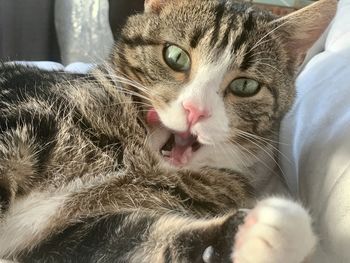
{"x":315,"y":141}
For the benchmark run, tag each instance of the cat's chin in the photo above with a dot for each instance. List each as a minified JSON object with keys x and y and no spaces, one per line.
{"x":179,"y":148}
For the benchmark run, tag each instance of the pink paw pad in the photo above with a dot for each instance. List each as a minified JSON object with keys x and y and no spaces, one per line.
{"x":249,"y":221}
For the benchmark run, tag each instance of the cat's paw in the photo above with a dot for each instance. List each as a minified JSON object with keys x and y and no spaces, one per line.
{"x":276,"y":230}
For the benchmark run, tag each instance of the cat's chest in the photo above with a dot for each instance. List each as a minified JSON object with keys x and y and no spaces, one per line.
{"x":267,"y":179}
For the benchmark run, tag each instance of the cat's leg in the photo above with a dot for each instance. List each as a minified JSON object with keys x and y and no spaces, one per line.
{"x":17,"y":162}
{"x":23,"y":154}
{"x":140,"y":237}
{"x":62,"y":217}
{"x":276,"y":230}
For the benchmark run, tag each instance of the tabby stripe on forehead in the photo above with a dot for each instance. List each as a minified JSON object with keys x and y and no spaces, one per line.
{"x":127,"y":66}
{"x":139,"y":41}
{"x":135,"y":71}
{"x":196,"y":36}
{"x":230,"y":26}
{"x":219,"y":12}
{"x":246,"y":28}
{"x":247,"y":61}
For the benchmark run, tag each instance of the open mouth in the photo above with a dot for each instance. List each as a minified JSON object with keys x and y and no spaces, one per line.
{"x":179,"y":148}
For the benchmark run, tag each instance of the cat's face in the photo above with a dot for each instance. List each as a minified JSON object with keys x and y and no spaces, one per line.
{"x":213,"y":76}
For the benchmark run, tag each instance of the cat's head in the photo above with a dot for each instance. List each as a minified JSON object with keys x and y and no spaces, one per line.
{"x":215,"y":77}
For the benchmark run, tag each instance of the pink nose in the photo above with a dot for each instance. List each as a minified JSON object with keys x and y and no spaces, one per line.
{"x":194,"y":114}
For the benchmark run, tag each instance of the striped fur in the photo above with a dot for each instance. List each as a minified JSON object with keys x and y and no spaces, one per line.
{"x":81,"y":176}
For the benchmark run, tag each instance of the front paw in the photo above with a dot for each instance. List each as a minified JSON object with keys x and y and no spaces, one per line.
{"x":276,"y":230}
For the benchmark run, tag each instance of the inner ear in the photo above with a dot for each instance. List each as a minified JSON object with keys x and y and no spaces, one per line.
{"x":302,"y":28}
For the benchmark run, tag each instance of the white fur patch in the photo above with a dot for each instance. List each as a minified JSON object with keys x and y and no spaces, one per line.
{"x":276,"y":230}
{"x":202,"y":91}
{"x":27,"y":220}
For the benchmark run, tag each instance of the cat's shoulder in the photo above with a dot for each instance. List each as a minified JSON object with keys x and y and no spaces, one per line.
{"x":22,"y":82}
{"x":19,"y":75}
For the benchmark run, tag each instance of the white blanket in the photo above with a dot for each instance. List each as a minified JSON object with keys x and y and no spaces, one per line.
{"x":76,"y":67}
{"x":316,"y":139}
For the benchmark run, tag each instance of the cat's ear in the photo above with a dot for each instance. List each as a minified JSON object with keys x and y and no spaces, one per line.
{"x":302,"y":28}
{"x":154,"y":6}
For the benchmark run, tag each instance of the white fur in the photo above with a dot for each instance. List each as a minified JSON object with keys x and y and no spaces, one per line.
{"x":221,"y":156}
{"x":204,"y":92}
{"x":276,"y":230}
{"x":27,"y":220}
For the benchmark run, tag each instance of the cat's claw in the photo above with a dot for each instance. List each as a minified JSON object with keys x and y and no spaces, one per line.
{"x":276,"y":230}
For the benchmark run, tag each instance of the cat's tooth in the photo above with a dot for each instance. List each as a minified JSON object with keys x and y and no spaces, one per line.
{"x":166,"y":153}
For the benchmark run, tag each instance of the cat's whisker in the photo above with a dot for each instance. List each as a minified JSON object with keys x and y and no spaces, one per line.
{"x":269,"y":65}
{"x":260,"y":139}
{"x":123,"y":79}
{"x":133,"y":93}
{"x":257,"y":158}
{"x":128,"y":103}
{"x":229,"y":151}
{"x":120,"y":73}
{"x":266,"y":143}
{"x":232,"y":153}
{"x":126,"y":79}
{"x":260,"y":41}
{"x":257,"y":136}
{"x":269,"y":154}
{"x":135,"y":85}
{"x":117,"y":84}
{"x":254,"y":47}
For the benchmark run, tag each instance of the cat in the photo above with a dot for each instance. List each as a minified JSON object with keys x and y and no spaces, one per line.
{"x":150,"y":156}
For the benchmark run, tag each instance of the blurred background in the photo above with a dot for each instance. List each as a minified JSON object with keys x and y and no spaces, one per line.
{"x":67,"y":31}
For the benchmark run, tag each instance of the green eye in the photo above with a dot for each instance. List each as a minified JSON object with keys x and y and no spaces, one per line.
{"x":244,"y":87}
{"x":177,"y":58}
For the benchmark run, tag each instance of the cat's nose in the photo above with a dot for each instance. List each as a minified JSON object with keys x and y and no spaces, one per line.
{"x":194,"y":113}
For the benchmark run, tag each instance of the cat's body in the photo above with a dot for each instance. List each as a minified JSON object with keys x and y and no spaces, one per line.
{"x":111,"y":169}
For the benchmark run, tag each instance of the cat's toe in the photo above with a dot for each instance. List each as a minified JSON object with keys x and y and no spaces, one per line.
{"x":276,"y":230}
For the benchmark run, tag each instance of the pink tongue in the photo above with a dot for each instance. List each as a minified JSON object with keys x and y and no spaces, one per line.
{"x":152,"y":117}
{"x":182,"y":150}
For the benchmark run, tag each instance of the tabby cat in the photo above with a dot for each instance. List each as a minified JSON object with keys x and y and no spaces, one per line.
{"x":149,"y":157}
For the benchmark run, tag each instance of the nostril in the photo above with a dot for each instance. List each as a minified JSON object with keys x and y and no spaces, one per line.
{"x":194,"y":113}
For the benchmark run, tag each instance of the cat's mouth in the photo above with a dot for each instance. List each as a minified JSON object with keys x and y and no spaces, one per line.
{"x":179,"y":148}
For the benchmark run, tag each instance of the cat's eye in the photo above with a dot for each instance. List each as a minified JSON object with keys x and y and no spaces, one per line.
{"x":177,"y":58}
{"x":244,"y":87}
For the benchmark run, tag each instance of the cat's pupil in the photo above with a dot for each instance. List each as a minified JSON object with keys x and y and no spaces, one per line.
{"x":244,"y":87}
{"x":176,"y":58}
